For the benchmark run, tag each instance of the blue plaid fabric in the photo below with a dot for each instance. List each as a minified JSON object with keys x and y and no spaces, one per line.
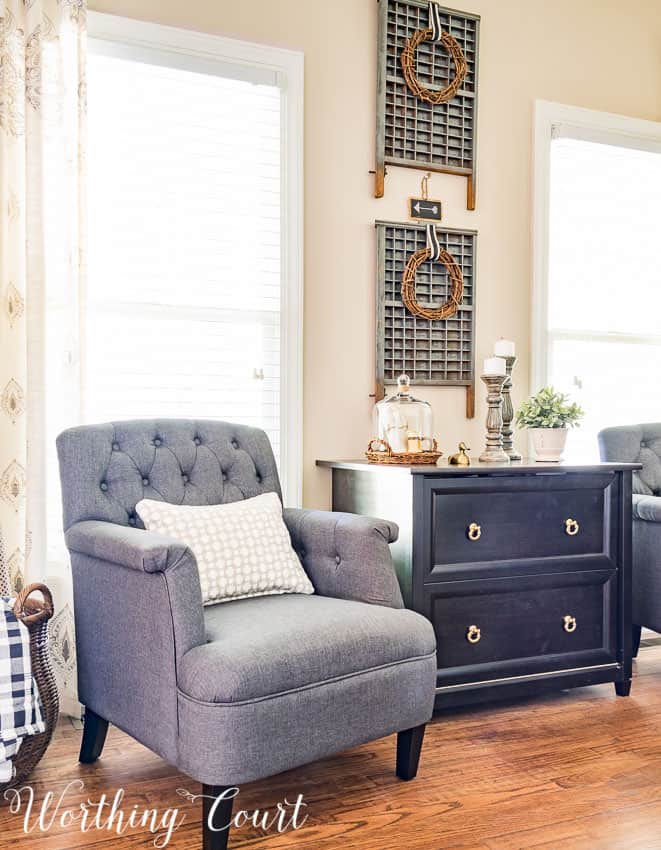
{"x":21,"y":710}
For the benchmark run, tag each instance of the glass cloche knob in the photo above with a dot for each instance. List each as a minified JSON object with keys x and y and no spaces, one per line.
{"x":403,"y":384}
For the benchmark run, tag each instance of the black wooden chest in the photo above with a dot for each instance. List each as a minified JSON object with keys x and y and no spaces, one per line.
{"x":523,"y":569}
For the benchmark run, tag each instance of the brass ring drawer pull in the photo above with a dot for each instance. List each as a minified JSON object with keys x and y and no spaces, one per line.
{"x":571,"y":527}
{"x":474,"y":532}
{"x":473,"y":634}
{"x":569,"y":623}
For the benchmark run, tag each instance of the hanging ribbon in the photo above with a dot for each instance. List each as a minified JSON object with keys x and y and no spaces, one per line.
{"x":435,"y":21}
{"x":433,"y":244}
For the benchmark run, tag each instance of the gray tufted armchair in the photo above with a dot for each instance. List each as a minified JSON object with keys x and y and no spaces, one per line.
{"x":236,"y":691}
{"x":642,"y":444}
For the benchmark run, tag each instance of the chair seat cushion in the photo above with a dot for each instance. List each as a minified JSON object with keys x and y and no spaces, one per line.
{"x":269,"y":645}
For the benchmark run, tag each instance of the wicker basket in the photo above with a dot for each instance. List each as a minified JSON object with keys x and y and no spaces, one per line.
{"x":387,"y":455}
{"x":35,"y":615}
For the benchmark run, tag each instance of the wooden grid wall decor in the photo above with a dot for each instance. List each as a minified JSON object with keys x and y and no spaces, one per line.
{"x":411,"y":130}
{"x":433,"y":353}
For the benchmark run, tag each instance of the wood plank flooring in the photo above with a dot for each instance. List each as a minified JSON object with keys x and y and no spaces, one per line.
{"x":579,"y":770}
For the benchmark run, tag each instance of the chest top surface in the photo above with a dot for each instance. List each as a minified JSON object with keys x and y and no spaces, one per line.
{"x":442,"y":468}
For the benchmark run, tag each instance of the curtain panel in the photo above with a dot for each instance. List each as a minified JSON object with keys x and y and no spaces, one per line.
{"x":42,"y":272}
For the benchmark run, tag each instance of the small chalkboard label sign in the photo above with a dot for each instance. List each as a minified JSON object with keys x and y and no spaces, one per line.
{"x":424,"y":209}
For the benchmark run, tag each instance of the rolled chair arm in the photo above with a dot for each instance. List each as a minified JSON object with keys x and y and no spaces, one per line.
{"x":133,"y":590}
{"x":346,"y":555}
{"x":647,"y":508}
{"x":130,"y":547}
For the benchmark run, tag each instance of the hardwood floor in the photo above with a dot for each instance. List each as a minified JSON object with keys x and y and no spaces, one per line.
{"x":580,"y":769}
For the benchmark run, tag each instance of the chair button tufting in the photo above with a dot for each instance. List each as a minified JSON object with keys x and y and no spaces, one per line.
{"x":258,"y":477}
{"x":643,"y":444}
{"x":184,"y":478}
{"x":197,"y":441}
{"x":104,"y":486}
{"x":115,"y":447}
{"x":235,"y":444}
{"x":157,"y":441}
{"x":224,"y":476}
{"x":132,"y":520}
{"x":337,"y":559}
{"x":145,"y":481}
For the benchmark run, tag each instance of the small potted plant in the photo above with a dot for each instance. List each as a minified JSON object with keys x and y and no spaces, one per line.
{"x":548,"y":415}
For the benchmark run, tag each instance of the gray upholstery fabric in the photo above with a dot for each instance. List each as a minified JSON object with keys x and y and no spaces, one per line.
{"x":646,"y":574}
{"x":106,"y":469}
{"x":642,"y":444}
{"x":271,"y":644}
{"x":138,"y":549}
{"x":131,"y":629}
{"x":648,"y":509}
{"x":265,"y":684}
{"x":233,"y":743}
{"x":636,"y":444}
{"x":130,"y":547}
{"x":346,"y":555}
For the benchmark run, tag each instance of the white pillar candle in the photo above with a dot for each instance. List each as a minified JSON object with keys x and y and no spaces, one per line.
{"x":504,"y":348}
{"x":495,"y":366}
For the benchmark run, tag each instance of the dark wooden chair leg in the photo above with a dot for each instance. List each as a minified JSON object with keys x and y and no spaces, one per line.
{"x":409,"y":745}
{"x":95,"y":729}
{"x":623,"y":689}
{"x":635,"y":642}
{"x":216,"y":831}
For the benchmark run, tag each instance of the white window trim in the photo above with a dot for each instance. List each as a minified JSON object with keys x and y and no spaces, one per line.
{"x":578,"y":123}
{"x":286,"y":69}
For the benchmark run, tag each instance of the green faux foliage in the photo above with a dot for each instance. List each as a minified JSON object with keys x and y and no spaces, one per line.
{"x":548,"y":409}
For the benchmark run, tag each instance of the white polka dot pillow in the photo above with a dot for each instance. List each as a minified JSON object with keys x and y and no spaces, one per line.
{"x":242,"y":548}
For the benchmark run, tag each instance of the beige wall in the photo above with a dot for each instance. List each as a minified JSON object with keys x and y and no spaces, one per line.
{"x":601,"y":54}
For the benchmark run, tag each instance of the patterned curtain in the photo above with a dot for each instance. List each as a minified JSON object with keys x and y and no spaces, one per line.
{"x":42,"y":165}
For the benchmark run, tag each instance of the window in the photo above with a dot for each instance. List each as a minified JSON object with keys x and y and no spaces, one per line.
{"x":598,"y":280}
{"x":183,"y":296}
{"x":193,"y":300}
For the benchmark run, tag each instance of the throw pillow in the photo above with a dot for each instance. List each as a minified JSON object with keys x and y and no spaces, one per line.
{"x":242,"y":548}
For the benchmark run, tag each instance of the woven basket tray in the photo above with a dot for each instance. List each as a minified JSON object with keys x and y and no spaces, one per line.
{"x":35,"y":615}
{"x":388,"y":456}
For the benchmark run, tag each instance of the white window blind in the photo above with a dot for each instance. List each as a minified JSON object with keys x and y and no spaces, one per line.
{"x":604,"y":283}
{"x":182,"y":314}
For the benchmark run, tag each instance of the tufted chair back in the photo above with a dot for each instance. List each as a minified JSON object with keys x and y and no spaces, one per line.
{"x":107,"y":469}
{"x":636,"y":444}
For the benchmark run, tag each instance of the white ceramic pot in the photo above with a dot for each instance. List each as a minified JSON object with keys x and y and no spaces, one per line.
{"x":548,"y":443}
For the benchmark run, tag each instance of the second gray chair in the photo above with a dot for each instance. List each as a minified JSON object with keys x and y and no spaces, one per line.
{"x":642,"y":444}
{"x":237,"y":691}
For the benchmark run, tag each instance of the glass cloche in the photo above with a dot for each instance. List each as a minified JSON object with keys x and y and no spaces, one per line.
{"x":404,"y":422}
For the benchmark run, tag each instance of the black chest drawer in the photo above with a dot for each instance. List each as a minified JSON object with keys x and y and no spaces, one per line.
{"x":519,"y":519}
{"x":516,"y":625}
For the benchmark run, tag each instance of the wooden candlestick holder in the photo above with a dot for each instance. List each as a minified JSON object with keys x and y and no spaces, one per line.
{"x":493,"y":452}
{"x":508,"y":413}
